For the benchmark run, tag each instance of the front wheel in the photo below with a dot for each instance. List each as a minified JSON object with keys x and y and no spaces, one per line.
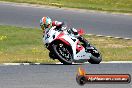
{"x":63,"y":52}
{"x":95,"y":60}
{"x":96,"y":57}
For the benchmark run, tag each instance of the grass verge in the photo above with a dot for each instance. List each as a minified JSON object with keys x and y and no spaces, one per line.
{"x":103,"y":5}
{"x":25,"y":45}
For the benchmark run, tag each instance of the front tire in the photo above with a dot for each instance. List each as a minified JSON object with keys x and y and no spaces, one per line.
{"x":96,"y":57}
{"x":63,"y":53}
{"x":95,"y":60}
{"x":52,"y":55}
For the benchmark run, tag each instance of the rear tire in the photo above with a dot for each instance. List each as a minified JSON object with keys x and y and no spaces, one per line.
{"x":61,"y":55}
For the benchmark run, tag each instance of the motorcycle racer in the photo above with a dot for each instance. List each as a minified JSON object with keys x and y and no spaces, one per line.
{"x":64,"y":43}
{"x":46,"y":24}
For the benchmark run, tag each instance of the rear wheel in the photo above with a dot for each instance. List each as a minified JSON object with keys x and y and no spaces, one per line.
{"x":63,"y":52}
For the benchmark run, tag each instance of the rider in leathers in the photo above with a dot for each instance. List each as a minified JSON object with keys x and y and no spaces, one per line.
{"x":46,"y":24}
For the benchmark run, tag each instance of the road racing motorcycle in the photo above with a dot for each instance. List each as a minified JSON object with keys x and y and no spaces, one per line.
{"x":64,"y":46}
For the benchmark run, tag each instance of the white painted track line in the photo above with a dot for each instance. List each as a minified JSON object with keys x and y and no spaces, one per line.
{"x":61,"y":63}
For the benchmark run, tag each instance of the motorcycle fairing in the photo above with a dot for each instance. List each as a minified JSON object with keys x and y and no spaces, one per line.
{"x":74,"y":45}
{"x":69,"y":40}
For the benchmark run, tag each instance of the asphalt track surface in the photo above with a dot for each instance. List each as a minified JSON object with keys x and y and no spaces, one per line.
{"x":92,"y":22}
{"x":58,"y":76}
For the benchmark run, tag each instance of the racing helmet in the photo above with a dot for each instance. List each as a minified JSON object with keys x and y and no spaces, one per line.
{"x":45,"y":22}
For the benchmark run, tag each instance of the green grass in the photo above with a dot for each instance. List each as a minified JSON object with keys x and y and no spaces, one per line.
{"x":22,"y":45}
{"x":104,"y":5}
{"x":25,"y":45}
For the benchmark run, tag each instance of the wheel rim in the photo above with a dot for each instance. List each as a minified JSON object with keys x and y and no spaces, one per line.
{"x":64,"y":52}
